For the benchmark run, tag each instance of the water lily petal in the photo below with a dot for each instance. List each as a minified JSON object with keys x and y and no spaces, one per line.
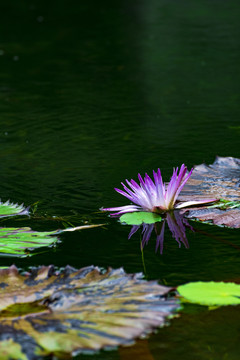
{"x":133,"y":230}
{"x":182,"y":184}
{"x":194,"y":202}
{"x":122,"y":209}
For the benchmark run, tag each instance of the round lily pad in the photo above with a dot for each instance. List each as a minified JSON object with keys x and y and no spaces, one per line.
{"x":141,"y":217}
{"x":211,"y":293}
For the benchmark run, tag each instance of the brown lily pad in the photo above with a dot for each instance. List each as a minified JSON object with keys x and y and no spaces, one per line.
{"x":228,"y":217}
{"x":220,"y":180}
{"x":45,"y":313}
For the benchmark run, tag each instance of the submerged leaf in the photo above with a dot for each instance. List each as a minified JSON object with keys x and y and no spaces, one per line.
{"x":220,"y":180}
{"x":211,"y":293}
{"x":49,"y":313}
{"x":11,"y":209}
{"x":141,"y":217}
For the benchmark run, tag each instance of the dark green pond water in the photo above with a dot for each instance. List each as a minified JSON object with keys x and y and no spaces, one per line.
{"x":94,"y":92}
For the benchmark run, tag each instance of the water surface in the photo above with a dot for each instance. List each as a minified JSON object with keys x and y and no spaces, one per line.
{"x":93,"y":93}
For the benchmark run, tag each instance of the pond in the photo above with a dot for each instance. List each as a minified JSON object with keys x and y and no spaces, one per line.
{"x":93,"y":93}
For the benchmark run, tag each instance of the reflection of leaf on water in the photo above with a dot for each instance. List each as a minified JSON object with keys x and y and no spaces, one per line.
{"x":220,"y":180}
{"x":47,"y":313}
{"x":21,"y":241}
{"x":176,"y":223}
{"x":211,"y":293}
{"x":11,"y":209}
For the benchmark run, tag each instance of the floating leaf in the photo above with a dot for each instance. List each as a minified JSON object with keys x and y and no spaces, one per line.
{"x":48,"y":313}
{"x":11,"y":350}
{"x":220,"y":180}
{"x":230,"y":218}
{"x":211,"y":293}
{"x":225,"y":204}
{"x":141,"y":217}
{"x":21,"y":241}
{"x":10,"y":209}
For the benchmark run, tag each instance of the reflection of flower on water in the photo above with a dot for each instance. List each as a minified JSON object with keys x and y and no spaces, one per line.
{"x":154,"y":196}
{"x":176,"y":223}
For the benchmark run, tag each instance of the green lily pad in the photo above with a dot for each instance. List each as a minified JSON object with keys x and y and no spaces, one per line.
{"x":211,"y":293}
{"x":11,"y":209}
{"x":47,"y":313}
{"x":21,"y":241}
{"x":138,"y":218}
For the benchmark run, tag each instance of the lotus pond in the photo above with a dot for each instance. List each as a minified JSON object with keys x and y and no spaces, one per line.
{"x":92,"y":94}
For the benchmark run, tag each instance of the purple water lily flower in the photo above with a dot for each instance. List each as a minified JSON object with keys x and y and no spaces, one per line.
{"x":155,"y":196}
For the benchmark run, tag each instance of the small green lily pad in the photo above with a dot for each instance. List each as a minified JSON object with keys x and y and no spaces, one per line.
{"x":138,"y":218}
{"x":11,"y":209}
{"x":211,"y":293}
